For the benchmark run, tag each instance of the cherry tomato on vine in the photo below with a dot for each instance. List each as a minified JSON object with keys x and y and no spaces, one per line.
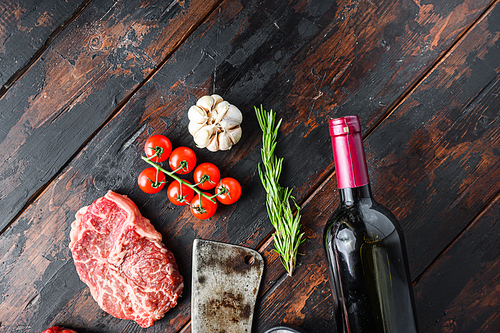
{"x":229,"y":189}
{"x":206,"y":209}
{"x":151,"y":181}
{"x":158,"y":145}
{"x":206,"y":175}
{"x":182,"y":160}
{"x":176,"y":197}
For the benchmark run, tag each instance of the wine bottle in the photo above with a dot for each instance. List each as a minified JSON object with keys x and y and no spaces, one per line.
{"x":365,"y":248}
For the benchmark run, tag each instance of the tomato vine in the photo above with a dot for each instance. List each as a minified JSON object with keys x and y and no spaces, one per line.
{"x":182,"y":160}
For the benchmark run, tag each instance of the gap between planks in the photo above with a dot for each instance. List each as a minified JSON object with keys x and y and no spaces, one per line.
{"x":117,"y":109}
{"x":331,"y":174}
{"x":38,"y":54}
{"x":313,"y":192}
{"x":478,"y":216}
{"x":265,"y":243}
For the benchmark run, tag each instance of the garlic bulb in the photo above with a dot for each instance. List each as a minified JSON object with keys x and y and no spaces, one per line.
{"x":214,"y":123}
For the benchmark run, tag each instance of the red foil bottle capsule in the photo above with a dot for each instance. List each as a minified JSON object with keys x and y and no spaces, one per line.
{"x":348,"y":152}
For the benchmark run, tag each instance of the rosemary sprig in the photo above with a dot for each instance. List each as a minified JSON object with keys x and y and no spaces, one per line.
{"x":288,"y":236}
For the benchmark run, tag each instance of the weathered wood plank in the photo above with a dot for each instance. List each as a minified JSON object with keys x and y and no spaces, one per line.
{"x":460,"y":292}
{"x":93,"y":66}
{"x":77,"y":84}
{"x":343,"y":67}
{"x":40,"y":286}
{"x":199,"y":68}
{"x":25,"y":28}
{"x":233,"y":54}
{"x":446,"y":148}
{"x":435,"y":163}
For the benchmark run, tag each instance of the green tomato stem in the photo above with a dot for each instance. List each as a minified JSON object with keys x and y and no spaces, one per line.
{"x":222,"y":190}
{"x":200,"y":208}
{"x":205,"y":178}
{"x":180,"y":197}
{"x":171,"y":174}
{"x":158,"y":151}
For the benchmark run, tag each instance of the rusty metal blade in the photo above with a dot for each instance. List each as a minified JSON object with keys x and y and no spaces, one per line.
{"x":226,"y":279}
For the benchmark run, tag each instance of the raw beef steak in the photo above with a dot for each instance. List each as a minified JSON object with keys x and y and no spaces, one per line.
{"x":120,"y":256}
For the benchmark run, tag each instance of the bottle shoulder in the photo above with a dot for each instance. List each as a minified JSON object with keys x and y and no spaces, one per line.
{"x":367,"y":219}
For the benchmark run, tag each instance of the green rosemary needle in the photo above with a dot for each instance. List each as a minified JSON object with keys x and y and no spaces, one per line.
{"x":288,"y":236}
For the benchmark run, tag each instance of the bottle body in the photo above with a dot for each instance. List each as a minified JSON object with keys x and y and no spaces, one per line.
{"x":368,"y":268}
{"x":365,"y":248}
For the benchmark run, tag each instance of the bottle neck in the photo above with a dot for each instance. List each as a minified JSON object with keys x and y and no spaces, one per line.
{"x":351,"y":195}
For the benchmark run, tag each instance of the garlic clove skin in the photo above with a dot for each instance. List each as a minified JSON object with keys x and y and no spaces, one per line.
{"x":212,"y":119}
{"x":217,"y":99}
{"x":235,"y":134}
{"x":221,"y":109}
{"x":194,"y":127}
{"x":206,"y":102}
{"x":197,"y":115}
{"x":232,"y":118}
{"x":228,"y":123}
{"x":234,"y":114}
{"x":202,"y":138}
{"x":225,"y":143}
{"x":213,"y":145}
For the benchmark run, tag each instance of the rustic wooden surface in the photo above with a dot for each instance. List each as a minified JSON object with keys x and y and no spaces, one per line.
{"x":85,"y":82}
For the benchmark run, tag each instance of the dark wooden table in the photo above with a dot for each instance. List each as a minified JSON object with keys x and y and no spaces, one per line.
{"x":85,"y":82}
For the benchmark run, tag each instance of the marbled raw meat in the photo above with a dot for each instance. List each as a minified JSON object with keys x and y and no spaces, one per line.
{"x":121,"y":257}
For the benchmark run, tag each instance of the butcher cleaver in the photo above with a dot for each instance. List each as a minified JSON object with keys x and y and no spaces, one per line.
{"x":225,"y":283}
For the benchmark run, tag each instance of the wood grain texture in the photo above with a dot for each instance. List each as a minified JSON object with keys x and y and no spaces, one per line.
{"x":106,"y":53}
{"x":460,"y":292}
{"x":442,"y":141}
{"x":77,"y":84}
{"x":445,"y":152}
{"x":40,"y":286}
{"x":308,"y":60}
{"x":26,"y":27}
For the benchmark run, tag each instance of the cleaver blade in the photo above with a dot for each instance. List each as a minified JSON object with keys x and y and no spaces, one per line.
{"x":225,"y":283}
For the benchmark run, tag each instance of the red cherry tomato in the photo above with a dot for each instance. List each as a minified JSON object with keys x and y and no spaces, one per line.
{"x":206,"y":209}
{"x":150,"y":181}
{"x":176,"y":197}
{"x":229,"y":189}
{"x":206,"y":175}
{"x":158,"y":145}
{"x":182,"y":160}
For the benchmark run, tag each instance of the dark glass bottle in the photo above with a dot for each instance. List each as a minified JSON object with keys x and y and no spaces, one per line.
{"x":365,"y":248}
